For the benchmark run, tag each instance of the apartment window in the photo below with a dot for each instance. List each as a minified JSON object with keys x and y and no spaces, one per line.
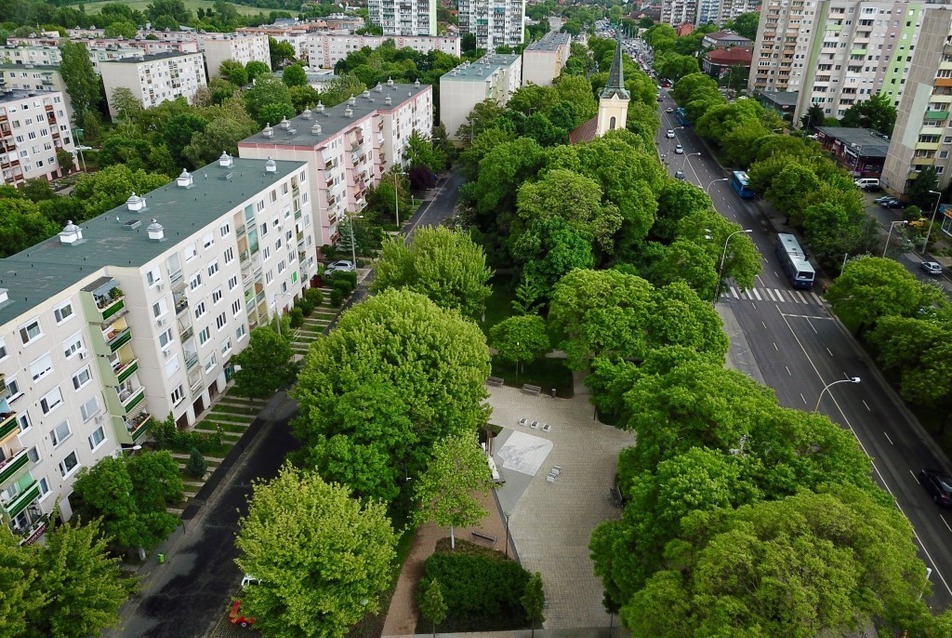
{"x":225,"y":230}
{"x":195,"y":282}
{"x":259,"y":206}
{"x":96,"y":438}
{"x":191,"y":252}
{"x":229,"y":255}
{"x":226,"y":347}
{"x":200,"y":310}
{"x":177,"y":395}
{"x":210,"y":363}
{"x":216,"y":295}
{"x":81,"y":378}
{"x":68,"y":465}
{"x":240,"y":332}
{"x":89,"y":409}
{"x":264,"y":229}
{"x":13,"y":389}
{"x":51,"y":401}
{"x":220,"y":321}
{"x":208,"y":240}
{"x":44,"y":486}
{"x":273,"y":196}
{"x":266,"y":254}
{"x":204,"y":336}
{"x":268,"y":277}
{"x":30,"y":332}
{"x":60,"y":433}
{"x":24,"y":420}
{"x":165,"y":338}
{"x":153,"y":277}
{"x":63,"y":312}
{"x":213,"y":268}
{"x":236,"y":307}
{"x":41,"y":367}
{"x":281,"y":266}
{"x":3,"y":350}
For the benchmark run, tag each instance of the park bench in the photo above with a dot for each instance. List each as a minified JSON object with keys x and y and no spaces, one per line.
{"x":531,"y":389}
{"x":484,"y":536}
{"x":495,"y":381}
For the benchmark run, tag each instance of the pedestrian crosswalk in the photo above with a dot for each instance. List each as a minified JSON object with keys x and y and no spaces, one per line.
{"x":777,"y":295}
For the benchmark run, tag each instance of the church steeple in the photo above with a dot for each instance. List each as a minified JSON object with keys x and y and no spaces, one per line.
{"x":616,"y":76}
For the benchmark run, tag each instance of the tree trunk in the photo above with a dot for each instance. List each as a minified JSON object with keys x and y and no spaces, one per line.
{"x":452,"y":537}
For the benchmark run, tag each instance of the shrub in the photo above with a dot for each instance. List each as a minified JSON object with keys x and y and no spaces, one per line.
{"x":167,"y":436}
{"x":197,"y":465}
{"x":349,"y":277}
{"x":337,"y":297}
{"x":306,"y":307}
{"x":297,"y":317}
{"x":314,"y":296}
{"x":343,"y":285}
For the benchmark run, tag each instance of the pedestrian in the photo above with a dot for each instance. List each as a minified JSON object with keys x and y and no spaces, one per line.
{"x":825,"y":286}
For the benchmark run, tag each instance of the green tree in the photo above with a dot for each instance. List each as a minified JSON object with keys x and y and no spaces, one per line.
{"x":746,"y":24}
{"x":877,"y":113}
{"x":18,"y":578}
{"x":432,"y":606}
{"x":445,"y":265}
{"x":520,"y":339}
{"x":268,"y":99}
{"x":294,"y":75}
{"x":22,"y":225}
{"x":533,"y":601}
{"x":65,"y":160}
{"x":125,"y":104}
{"x":448,"y":488}
{"x":264,"y":365}
{"x":169,"y":10}
{"x":918,"y":350}
{"x":79,"y":76}
{"x":281,"y":52}
{"x":234,"y":72}
{"x":121,"y":29}
{"x":323,"y":557}
{"x":197,"y":465}
{"x":256,"y":69}
{"x":111,"y":186}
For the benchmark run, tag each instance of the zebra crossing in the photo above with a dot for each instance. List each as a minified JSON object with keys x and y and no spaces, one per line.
{"x":805,"y":297}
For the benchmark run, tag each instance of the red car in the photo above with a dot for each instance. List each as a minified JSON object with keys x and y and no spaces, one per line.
{"x":235,"y":616}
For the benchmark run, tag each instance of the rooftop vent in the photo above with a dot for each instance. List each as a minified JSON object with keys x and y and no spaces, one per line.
{"x":348,"y":112}
{"x":316,"y":129}
{"x":352,"y":100}
{"x":417,"y":83}
{"x":267,"y":131}
{"x":271,"y":166}
{"x":132,"y":224}
{"x":155,"y":230}
{"x":284,"y":123}
{"x":135,"y":203}
{"x":184,"y":180}
{"x":306,"y":114}
{"x":367,"y":95}
{"x":387,"y":100}
{"x":389,"y":81}
{"x":3,"y":295}
{"x":320,"y":107}
{"x":71,"y":234}
{"x":226,"y":161}
{"x":378,"y":88}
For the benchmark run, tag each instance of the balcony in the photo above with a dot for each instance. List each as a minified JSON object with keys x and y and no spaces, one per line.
{"x":117,"y":339}
{"x":9,"y":427}
{"x":136,"y":426}
{"x":29,"y":493}
{"x":129,"y":398}
{"x":12,"y":465}
{"x":102,"y":300}
{"x":191,"y":360}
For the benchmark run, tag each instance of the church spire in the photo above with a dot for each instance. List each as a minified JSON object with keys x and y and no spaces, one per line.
{"x":616,"y":77}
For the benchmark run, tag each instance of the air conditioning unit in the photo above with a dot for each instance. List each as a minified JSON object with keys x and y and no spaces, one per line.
{"x":160,"y":287}
{"x":162,"y":322}
{"x":82,"y":354}
{"x":167,"y":353}
{"x":99,"y":418}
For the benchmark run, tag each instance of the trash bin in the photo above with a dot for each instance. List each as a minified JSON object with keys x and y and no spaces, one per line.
{"x":160,"y":557}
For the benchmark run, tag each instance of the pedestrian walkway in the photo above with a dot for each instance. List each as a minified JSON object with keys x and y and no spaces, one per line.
{"x":777,"y":295}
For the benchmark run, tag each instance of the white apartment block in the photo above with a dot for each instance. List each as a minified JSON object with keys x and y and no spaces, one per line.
{"x":922,"y":136}
{"x":240,"y":48}
{"x":495,"y":23}
{"x":348,"y":147}
{"x":111,"y":326}
{"x":678,"y":12}
{"x":543,"y":60}
{"x":493,"y":77}
{"x":721,"y":12}
{"x":155,"y":78}
{"x":782,"y":46}
{"x":326,"y":50}
{"x":33,"y":126}
{"x":404,"y":17}
{"x":33,"y":78}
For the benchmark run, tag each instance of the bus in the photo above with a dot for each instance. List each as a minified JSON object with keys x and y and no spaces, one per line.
{"x":682,"y":116}
{"x":740,"y":181}
{"x":797,"y":267}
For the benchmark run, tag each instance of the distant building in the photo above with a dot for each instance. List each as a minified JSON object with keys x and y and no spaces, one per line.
{"x":240,"y":48}
{"x":720,"y":12}
{"x":861,"y":151}
{"x":493,"y":77}
{"x":325,"y":50}
{"x":543,"y":60}
{"x":612,"y":104}
{"x":154,"y":79}
{"x":34,"y":125}
{"x":495,"y":23}
{"x":719,"y":62}
{"x":783,"y":103}
{"x":678,"y":12}
{"x":725,"y":40}
{"x":404,"y":17}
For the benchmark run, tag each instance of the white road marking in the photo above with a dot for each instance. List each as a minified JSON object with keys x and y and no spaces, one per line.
{"x":868,"y":409}
{"x":888,"y":439}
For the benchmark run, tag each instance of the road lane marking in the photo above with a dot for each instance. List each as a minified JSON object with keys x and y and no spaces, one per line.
{"x":888,"y":439}
{"x":787,"y":314}
{"x":868,"y":409}
{"x":831,"y":354}
{"x":810,"y":323}
{"x":788,"y":371}
{"x":802,"y":398}
{"x":946,"y":522}
{"x":756,"y":294}
{"x":775,"y":346}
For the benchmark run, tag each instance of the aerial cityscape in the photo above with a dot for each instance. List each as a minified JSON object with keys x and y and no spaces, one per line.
{"x":489,"y":317}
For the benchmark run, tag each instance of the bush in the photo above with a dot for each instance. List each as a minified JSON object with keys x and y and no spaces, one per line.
{"x":197,"y":465}
{"x":342,"y":278}
{"x":297,"y":317}
{"x":314,"y":296}
{"x":337,"y":297}
{"x":168,"y":437}
{"x":306,"y":307}
{"x":343,"y":285}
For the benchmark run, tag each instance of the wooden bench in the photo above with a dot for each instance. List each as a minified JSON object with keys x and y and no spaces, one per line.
{"x":484,"y":536}
{"x":495,"y":381}
{"x":617,"y":500}
{"x":531,"y":389}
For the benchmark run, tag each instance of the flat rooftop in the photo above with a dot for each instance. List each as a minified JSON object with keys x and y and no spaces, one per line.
{"x":13,"y":95}
{"x":781,"y":98}
{"x":334,"y":119}
{"x":550,"y":42}
{"x":865,"y":141}
{"x":481,"y":69}
{"x":151,"y":57}
{"x":114,"y":239}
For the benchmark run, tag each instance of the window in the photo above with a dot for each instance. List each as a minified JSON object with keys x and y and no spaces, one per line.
{"x":60,"y":433}
{"x":210,"y":363}
{"x":165,"y":338}
{"x":264,"y":229}
{"x":81,"y":378}
{"x":44,"y":488}
{"x":41,"y":367}
{"x":200,"y":310}
{"x":89,"y":409}
{"x":229,"y":255}
{"x":51,"y":401}
{"x":268,"y":277}
{"x":13,"y":389}
{"x":63,"y":312}
{"x":96,"y":438}
{"x":68,"y":465}
{"x":190,"y":252}
{"x":225,"y":347}
{"x":208,"y":240}
{"x":195,"y":282}
{"x":33,"y":455}
{"x":225,"y":230}
{"x":240,"y":332}
{"x":3,"y":349}
{"x":24,"y":420}
{"x":204,"y":335}
{"x":30,"y":331}
{"x":233,"y":283}
{"x":213,"y":268}
{"x":177,"y":395}
{"x":216,"y":295}
{"x":221,"y":321}
{"x":259,"y":206}
{"x":153,"y":277}
{"x":266,"y":254}
{"x":281,"y":266}
{"x":236,"y":307}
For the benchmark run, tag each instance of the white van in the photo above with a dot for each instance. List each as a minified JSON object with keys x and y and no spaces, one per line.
{"x":868,"y":183}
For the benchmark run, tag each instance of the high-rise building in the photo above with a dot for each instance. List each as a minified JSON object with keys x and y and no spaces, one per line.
{"x":242,"y":48}
{"x":493,"y":77}
{"x":720,"y":12}
{"x":154,"y":79}
{"x":495,"y":23}
{"x":324,"y":50}
{"x":34,"y":125}
{"x":784,"y":37}
{"x":676,"y":12}
{"x":404,"y":17}
{"x":543,"y":60}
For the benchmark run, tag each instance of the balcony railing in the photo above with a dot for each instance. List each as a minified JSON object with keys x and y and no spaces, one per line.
{"x":125,"y":370}
{"x":131,"y":398}
{"x":19,"y":502}
{"x":138,"y":425}
{"x":116,"y":340}
{"x":12,"y":465}
{"x":9,"y":427}
{"x":191,"y":359}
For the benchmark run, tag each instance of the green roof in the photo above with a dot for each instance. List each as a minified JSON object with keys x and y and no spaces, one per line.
{"x":50,"y":267}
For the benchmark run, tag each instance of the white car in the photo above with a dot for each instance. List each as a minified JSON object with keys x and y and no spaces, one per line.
{"x":343,"y":265}
{"x":249,"y":580}
{"x":678,"y":149}
{"x":670,"y":134}
{"x":932,"y":267}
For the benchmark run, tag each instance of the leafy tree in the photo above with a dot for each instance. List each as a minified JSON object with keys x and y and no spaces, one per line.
{"x":549,"y":249}
{"x":256,"y":69}
{"x":520,"y":339}
{"x":920,"y":191}
{"x":575,"y":90}
{"x":65,"y":160}
{"x":294,"y":75}
{"x":18,"y":578}
{"x":22,"y":225}
{"x":877,"y":113}
{"x":264,"y":365}
{"x":446,"y":266}
{"x":234,"y":72}
{"x":82,"y":585}
{"x":918,"y":350}
{"x":281,"y":52}
{"x":813,"y":118}
{"x":526,"y":297}
{"x":79,"y":76}
{"x":323,"y":557}
{"x":197,"y":465}
{"x":125,"y":104}
{"x":790,"y":189}
{"x":432,"y":606}
{"x":448,"y":488}
{"x":111,"y":186}
{"x":746,"y":25}
{"x":121,"y":29}
{"x":534,"y":601}
{"x":269,"y":98}
{"x":420,"y":151}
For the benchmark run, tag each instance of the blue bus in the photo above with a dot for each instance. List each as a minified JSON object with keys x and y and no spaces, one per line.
{"x":740,"y":181}
{"x":682,"y":116}
{"x":797,"y":267}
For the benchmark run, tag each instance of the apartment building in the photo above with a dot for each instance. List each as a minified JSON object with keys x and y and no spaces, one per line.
{"x":725,"y":40}
{"x":401,"y":17}
{"x":720,"y":12}
{"x":219,"y":47}
{"x":922,"y":136}
{"x":677,"y":12}
{"x":348,"y":147}
{"x":154,"y":79}
{"x":493,"y":77}
{"x":324,"y":50}
{"x":543,"y":60}
{"x":32,"y":77}
{"x":495,"y":23}
{"x":34,"y":125}
{"x":784,"y":38}
{"x":113,"y":325}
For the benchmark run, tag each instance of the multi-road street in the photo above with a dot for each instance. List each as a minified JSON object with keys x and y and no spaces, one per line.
{"x":799,"y":348}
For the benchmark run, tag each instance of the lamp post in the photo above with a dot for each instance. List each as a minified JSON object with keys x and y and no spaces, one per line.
{"x":277,"y":311}
{"x":932,"y":221}
{"x":901,"y":222}
{"x":686,"y":156}
{"x":830,"y":385}
{"x":707,"y":189}
{"x":720,"y":271}
{"x":396,"y":194}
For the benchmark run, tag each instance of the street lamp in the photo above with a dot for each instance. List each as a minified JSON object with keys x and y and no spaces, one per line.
{"x":396,"y":195}
{"x":901,"y":222}
{"x":277,"y":311}
{"x":686,"y":156}
{"x":707,"y":189}
{"x":830,"y":385}
{"x":720,"y":271}
{"x":932,"y":221}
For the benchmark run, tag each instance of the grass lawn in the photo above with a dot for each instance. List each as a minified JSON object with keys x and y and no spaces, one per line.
{"x":236,"y":409}
{"x":191,"y":5}
{"x":225,"y":427}
{"x":547,"y":373}
{"x":499,"y":304}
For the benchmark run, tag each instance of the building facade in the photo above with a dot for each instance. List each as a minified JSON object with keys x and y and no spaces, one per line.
{"x":493,"y":77}
{"x":677,"y":12}
{"x":325,"y":50}
{"x":154,"y":79}
{"x":543,"y":60}
{"x":347,"y":147}
{"x":401,"y":17}
{"x":135,"y":315}
{"x":720,"y":12}
{"x":229,"y":46}
{"x":495,"y":23}
{"x":34,"y":125}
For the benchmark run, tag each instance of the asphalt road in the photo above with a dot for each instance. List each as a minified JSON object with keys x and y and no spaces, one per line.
{"x":799,"y":347}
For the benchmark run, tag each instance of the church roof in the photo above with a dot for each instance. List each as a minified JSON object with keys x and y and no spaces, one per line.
{"x":585,"y":132}
{"x":616,"y":77}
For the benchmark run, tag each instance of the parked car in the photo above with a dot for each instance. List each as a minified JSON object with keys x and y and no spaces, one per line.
{"x":893,"y":203}
{"x":249,"y":580}
{"x":938,"y":485}
{"x":670,"y":134}
{"x":882,"y":198}
{"x":931,"y":267}
{"x":679,"y":175}
{"x":678,"y":149}
{"x":235,"y":616}
{"x":343,"y":265}
{"x":868,"y":183}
